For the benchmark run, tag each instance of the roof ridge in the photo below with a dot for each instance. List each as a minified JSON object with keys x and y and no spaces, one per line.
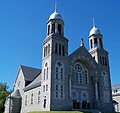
{"x":29,"y":67}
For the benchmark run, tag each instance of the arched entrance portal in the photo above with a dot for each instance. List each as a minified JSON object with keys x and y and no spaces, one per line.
{"x":85,"y":104}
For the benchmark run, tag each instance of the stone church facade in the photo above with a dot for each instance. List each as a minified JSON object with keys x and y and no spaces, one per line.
{"x":79,"y":81}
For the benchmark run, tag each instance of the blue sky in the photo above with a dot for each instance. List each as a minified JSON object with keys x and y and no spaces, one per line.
{"x":23,"y":28}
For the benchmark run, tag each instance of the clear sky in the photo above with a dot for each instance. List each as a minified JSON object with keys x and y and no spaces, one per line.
{"x":23,"y":28}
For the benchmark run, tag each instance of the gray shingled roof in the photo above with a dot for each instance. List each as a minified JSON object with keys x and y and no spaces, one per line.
{"x":30,"y":73}
{"x":33,"y":84}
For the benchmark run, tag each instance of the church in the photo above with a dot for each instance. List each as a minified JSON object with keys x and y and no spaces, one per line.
{"x":79,"y":81}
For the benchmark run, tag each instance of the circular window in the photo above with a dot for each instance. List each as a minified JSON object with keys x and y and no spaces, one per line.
{"x":78,"y":67}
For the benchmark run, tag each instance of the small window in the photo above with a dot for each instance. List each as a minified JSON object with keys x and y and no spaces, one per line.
{"x":53,"y":28}
{"x":95,"y":40}
{"x":80,"y":79}
{"x":91,"y":44}
{"x":48,"y":29}
{"x":44,"y":106}
{"x":32,"y":98}
{"x":44,"y":51}
{"x":56,"y":87}
{"x":61,"y":73}
{"x":46,"y":87}
{"x":56,"y":72}
{"x":105,"y":61}
{"x":56,"y":94}
{"x":61,"y":87}
{"x":59,"y":28}
{"x":48,"y":48}
{"x":44,"y":74}
{"x":47,"y":74}
{"x":39,"y":97}
{"x":59,"y":49}
{"x":76,"y":78}
{"x":63,"y":50}
{"x":61,"y":94}
{"x":101,"y":42}
{"x":26,"y":100}
{"x":56,"y":48}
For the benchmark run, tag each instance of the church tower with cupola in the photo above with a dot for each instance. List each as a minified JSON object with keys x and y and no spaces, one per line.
{"x":100,"y":55}
{"x":54,"y":64}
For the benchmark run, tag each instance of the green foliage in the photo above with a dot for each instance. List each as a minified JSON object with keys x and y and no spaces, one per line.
{"x":3,"y":95}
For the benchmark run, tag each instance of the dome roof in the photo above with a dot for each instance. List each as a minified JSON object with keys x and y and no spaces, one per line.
{"x":55,"y":15}
{"x":94,"y":30}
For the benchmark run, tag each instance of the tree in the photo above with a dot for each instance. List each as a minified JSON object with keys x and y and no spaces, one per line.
{"x":3,"y":95}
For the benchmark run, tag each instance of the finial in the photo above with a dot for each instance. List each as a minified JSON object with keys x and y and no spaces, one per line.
{"x":55,"y":6}
{"x":82,"y":42}
{"x":93,"y":22}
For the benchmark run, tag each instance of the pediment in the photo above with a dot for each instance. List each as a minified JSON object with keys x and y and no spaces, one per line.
{"x":82,"y":54}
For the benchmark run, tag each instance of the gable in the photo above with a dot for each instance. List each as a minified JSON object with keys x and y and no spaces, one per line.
{"x":27,"y":73}
{"x":82,"y":54}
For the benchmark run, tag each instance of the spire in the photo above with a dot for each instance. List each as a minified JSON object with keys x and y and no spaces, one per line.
{"x":93,"y":22}
{"x":55,"y":6}
{"x":82,"y":42}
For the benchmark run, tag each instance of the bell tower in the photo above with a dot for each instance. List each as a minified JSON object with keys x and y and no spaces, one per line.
{"x":96,"y":46}
{"x":54,"y":64}
{"x":103,"y":83}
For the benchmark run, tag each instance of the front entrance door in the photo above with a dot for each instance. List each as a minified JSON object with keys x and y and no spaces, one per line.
{"x":76,"y":105}
{"x":85,"y":105}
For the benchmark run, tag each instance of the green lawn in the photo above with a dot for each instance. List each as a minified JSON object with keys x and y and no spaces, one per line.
{"x":57,"y":112}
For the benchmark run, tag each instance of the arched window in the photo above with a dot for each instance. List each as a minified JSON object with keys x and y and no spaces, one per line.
{"x":39,"y":97}
{"x":44,"y":105}
{"x":26,"y":100}
{"x":78,"y":73}
{"x":59,"y":28}
{"x":48,"y":29}
{"x":47,"y":73}
{"x":44,"y":51}
{"x":53,"y":28}
{"x":48,"y":48}
{"x":44,"y":73}
{"x":101,"y":42}
{"x":32,"y":98}
{"x":91,"y":44}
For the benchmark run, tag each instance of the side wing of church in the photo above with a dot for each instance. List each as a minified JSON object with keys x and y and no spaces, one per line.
{"x":79,"y":81}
